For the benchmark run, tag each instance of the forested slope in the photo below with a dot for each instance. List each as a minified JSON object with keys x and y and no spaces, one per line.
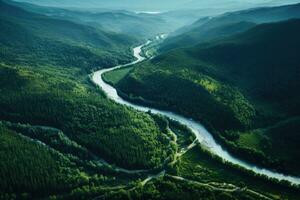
{"x":218,"y":27}
{"x":46,"y":40}
{"x":21,"y":174}
{"x":249,"y":81}
{"x":44,"y":71}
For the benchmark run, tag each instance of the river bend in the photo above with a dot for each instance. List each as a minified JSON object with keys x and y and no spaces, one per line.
{"x":203,"y":136}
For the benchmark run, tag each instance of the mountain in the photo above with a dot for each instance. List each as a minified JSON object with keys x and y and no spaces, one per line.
{"x":228,"y":24}
{"x":248,"y":80}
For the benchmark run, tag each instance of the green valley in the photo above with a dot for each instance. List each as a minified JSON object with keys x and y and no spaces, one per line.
{"x":231,"y":80}
{"x":88,"y":112}
{"x":47,"y":84}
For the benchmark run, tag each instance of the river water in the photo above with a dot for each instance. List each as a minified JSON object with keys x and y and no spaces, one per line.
{"x":203,"y":136}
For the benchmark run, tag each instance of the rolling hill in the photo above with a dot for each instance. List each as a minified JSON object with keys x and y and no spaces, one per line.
{"x":138,"y":25}
{"x":47,"y":36}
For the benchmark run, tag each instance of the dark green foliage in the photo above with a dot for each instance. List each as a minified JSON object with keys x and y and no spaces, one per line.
{"x":241,"y":83}
{"x":28,"y":167}
{"x":55,"y":167}
{"x":54,"y":138}
{"x":44,"y":82}
{"x":56,"y":127}
{"x":110,"y":131}
{"x":168,"y":188}
{"x":203,"y":92}
{"x":202,"y":34}
{"x":264,"y":67}
{"x":118,"y":74}
{"x":279,"y":135}
{"x":185,"y":136}
{"x":200,"y":165}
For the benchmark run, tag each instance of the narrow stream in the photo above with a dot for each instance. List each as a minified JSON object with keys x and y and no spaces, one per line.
{"x":204,"y":137}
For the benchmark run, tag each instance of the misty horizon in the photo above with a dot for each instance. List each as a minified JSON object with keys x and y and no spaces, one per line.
{"x":156,"y":6}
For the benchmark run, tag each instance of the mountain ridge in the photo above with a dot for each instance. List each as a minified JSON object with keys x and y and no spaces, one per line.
{"x":213,"y":28}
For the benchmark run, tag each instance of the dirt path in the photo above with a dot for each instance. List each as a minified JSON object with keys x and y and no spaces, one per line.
{"x":225,"y":187}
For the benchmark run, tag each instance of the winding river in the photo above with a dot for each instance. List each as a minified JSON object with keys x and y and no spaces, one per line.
{"x":203,"y":136}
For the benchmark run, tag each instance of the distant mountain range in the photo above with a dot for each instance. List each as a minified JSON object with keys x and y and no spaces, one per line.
{"x":35,"y":36}
{"x":141,"y":25}
{"x":211,"y":28}
{"x":157,"y":5}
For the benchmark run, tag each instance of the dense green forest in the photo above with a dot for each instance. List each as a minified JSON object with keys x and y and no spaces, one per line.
{"x":44,"y":81}
{"x":62,"y":138}
{"x":49,"y":96}
{"x":248,"y":80}
{"x":42,"y":162}
{"x":21,"y":174}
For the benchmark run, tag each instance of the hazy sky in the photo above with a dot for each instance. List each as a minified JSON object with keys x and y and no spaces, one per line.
{"x":160,"y":4}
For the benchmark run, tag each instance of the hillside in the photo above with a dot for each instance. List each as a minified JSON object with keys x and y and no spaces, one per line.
{"x":227,"y":24}
{"x":248,"y":81}
{"x":44,"y":78}
{"x":45,"y":37}
{"x":44,"y":86}
{"x":17,"y":164}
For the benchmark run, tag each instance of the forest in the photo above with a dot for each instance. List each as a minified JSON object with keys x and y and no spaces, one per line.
{"x":62,"y":137}
{"x":205,"y":83}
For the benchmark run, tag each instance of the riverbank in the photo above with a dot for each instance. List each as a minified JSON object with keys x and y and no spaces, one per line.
{"x":203,"y":136}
